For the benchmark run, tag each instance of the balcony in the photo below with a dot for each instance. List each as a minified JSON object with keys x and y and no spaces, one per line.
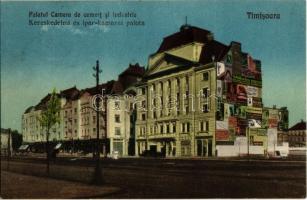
{"x":162,"y":136}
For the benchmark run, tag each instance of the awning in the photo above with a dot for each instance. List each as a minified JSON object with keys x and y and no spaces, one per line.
{"x":23,"y":147}
{"x":58,"y":146}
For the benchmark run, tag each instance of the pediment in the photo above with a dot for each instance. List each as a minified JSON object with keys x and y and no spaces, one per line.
{"x":168,"y":62}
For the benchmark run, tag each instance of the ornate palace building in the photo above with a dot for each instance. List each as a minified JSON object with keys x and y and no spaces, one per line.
{"x":197,"y":94}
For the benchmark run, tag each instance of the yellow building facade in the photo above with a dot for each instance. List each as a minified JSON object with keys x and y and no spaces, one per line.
{"x":177,"y":101}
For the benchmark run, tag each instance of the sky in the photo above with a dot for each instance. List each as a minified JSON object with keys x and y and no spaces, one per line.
{"x":35,"y":59}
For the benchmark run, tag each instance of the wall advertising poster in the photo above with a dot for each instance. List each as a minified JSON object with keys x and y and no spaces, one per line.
{"x":252,"y":123}
{"x":258,"y":136}
{"x":241,"y":93}
{"x":241,"y":112}
{"x":219,"y":89}
{"x":252,"y":91}
{"x":228,"y":110}
{"x":257,"y":102}
{"x":237,"y":78}
{"x":273,"y":123}
{"x":220,"y":68}
{"x":231,"y":94}
{"x":249,"y":101}
{"x":242,"y":124}
{"x":222,"y":125}
{"x":232,"y":122}
{"x":222,"y":135}
{"x":253,"y":113}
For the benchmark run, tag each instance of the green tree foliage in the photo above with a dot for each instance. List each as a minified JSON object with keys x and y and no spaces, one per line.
{"x":49,"y":118}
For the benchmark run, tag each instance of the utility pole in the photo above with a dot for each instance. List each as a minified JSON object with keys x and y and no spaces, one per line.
{"x":8,"y":149}
{"x":248,"y":141}
{"x":97,"y":179}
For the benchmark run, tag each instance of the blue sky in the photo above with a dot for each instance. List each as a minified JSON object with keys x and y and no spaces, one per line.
{"x":36,"y":59}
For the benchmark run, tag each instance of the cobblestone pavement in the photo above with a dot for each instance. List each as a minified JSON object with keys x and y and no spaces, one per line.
{"x":15,"y":185}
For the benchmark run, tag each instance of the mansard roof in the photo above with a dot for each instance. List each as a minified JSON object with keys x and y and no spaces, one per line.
{"x":299,"y":126}
{"x":70,"y":93}
{"x":213,"y":48}
{"x":186,"y":35}
{"x":135,"y":70}
{"x":106,"y":86}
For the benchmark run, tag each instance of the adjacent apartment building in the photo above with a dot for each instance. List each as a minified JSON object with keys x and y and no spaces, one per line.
{"x":77,"y":127}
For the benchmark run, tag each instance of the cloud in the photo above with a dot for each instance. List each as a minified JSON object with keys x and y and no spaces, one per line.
{"x":102,"y":28}
{"x":44,"y":28}
{"x":70,"y":28}
{"x":76,"y":31}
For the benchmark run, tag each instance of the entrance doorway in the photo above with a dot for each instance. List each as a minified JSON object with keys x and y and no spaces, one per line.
{"x":204,"y":147}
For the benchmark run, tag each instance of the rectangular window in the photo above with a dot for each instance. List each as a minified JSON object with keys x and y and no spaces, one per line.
{"x":167,"y":128}
{"x":204,"y":126}
{"x":205,"y":108}
{"x":205,"y":92}
{"x":205,"y":76}
{"x":117,"y":131}
{"x":117,"y":105}
{"x":143,"y":104}
{"x":117,"y":118}
{"x":143,"y":91}
{"x":143,"y":116}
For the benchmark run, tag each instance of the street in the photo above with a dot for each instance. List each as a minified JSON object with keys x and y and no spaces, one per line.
{"x":180,"y":178}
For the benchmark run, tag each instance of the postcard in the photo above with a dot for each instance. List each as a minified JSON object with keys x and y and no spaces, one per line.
{"x":153,"y":99}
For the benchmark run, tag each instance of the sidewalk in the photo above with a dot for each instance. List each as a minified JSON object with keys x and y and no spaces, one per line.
{"x":15,"y":185}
